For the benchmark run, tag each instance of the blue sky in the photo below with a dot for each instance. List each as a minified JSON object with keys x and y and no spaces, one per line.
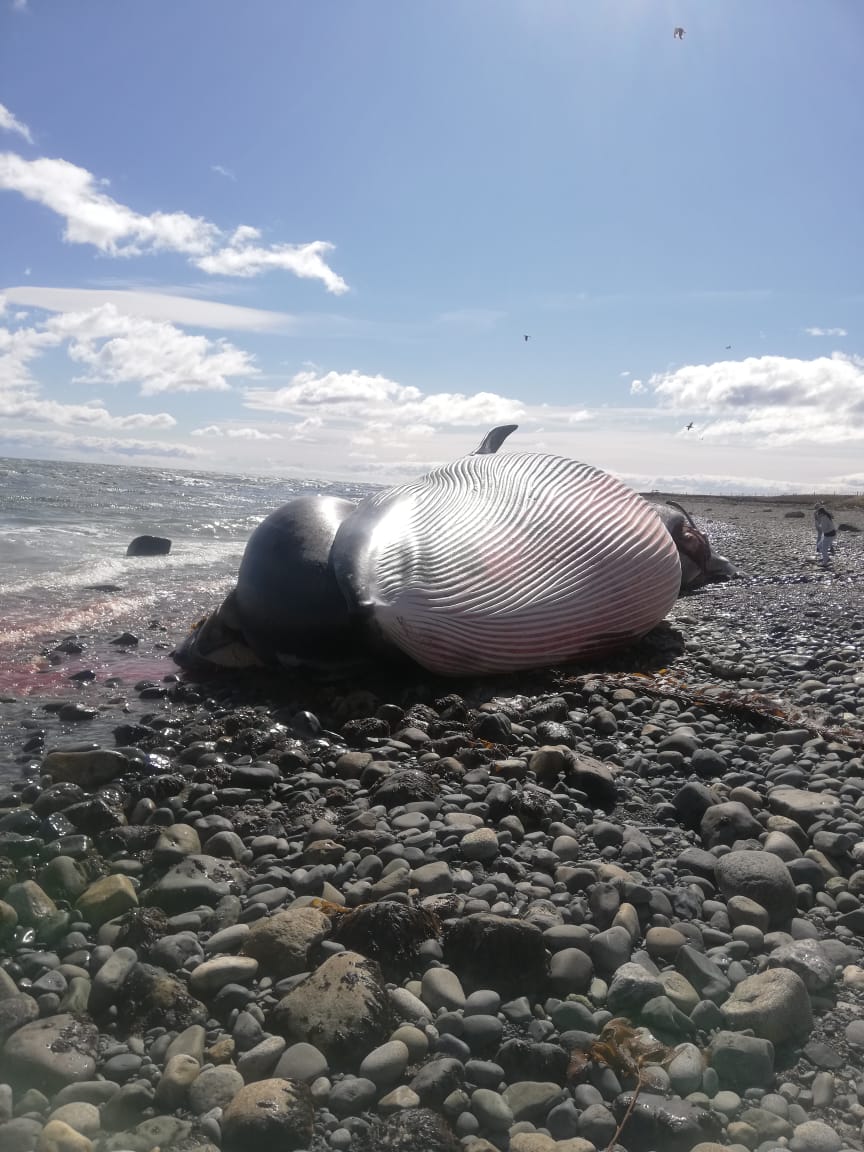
{"x":417,"y":186}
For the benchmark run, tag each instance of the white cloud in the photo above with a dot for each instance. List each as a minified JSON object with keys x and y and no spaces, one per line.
{"x":241,"y":257}
{"x":221,"y":170}
{"x":10,"y":123}
{"x":73,"y":443}
{"x":625,"y":373}
{"x":636,"y":387}
{"x":772,"y":401}
{"x":166,"y":306}
{"x":114,"y":349}
{"x":19,"y":5}
{"x":236,"y":433}
{"x":117,"y":349}
{"x":92,"y":217}
{"x":355,"y":396}
{"x":90,"y":415}
{"x":826,"y":331}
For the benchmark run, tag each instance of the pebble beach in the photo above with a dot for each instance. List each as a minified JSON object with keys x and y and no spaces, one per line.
{"x":605,"y":907}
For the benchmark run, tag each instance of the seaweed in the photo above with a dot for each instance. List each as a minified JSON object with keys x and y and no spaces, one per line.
{"x":386,"y":931}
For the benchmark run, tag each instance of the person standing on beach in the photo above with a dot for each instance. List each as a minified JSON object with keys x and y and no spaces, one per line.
{"x":826,"y":532}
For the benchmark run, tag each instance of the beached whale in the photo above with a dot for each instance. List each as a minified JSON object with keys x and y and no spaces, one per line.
{"x":492,"y":563}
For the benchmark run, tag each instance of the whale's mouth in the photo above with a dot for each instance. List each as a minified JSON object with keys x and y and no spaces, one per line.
{"x":216,"y":640}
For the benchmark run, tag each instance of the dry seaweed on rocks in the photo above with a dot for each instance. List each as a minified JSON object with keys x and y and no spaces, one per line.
{"x":388,"y":931}
{"x":764,"y":713}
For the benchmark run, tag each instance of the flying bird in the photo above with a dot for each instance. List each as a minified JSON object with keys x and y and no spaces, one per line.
{"x":526,"y":338}
{"x":728,"y":346}
{"x":678,"y":34}
{"x":689,"y":426}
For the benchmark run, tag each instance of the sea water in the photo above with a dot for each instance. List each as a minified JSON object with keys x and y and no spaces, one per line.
{"x":64,"y":531}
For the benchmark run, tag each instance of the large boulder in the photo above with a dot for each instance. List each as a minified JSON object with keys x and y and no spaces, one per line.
{"x":774,"y":1004}
{"x":760,"y":876}
{"x":51,"y":1053}
{"x":149,"y":546}
{"x":281,"y":943}
{"x":496,"y":952}
{"x":269,"y":1116}
{"x":342,"y":1008}
{"x":88,"y":768}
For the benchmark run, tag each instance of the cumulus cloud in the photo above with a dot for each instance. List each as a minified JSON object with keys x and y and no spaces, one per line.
{"x":118,"y":349}
{"x":93,"y":217}
{"x":354,"y":395}
{"x":826,"y":331}
{"x":636,"y":387}
{"x":770,"y":401}
{"x":10,"y":123}
{"x":113,"y":349}
{"x":236,"y":433}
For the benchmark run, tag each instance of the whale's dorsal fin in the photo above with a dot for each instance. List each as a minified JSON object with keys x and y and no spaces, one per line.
{"x":493,"y":440}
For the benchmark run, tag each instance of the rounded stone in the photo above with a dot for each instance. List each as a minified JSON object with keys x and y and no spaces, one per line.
{"x":269,"y":1116}
{"x":774,"y":1004}
{"x":385,"y":1065}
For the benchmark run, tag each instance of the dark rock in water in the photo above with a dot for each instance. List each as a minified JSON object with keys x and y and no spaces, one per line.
{"x":522,"y":1060}
{"x":795,"y":515}
{"x":149,"y":546}
{"x":410,"y":1131}
{"x":104,"y":588}
{"x":153,"y":998}
{"x":848,"y":527}
{"x":675,"y":1125}
{"x":125,"y":640}
{"x":496,"y":952}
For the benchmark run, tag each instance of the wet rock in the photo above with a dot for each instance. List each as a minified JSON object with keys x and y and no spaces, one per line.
{"x":153,"y":998}
{"x":107,"y":898}
{"x":674,"y":1125}
{"x":52,"y":1052}
{"x":149,"y":546}
{"x":87,"y":769}
{"x":197,"y":879}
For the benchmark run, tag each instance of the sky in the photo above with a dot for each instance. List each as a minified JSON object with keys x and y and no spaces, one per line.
{"x":310,"y":237}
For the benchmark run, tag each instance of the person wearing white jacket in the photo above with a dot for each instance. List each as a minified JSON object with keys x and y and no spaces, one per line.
{"x":826,"y":532}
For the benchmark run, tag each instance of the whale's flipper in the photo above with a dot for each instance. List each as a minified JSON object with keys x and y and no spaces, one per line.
{"x":493,"y":440}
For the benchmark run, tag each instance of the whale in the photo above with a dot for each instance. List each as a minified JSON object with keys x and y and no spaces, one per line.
{"x":492,"y":563}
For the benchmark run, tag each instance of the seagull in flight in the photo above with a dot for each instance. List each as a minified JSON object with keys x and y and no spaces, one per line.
{"x":526,"y":338}
{"x":678,"y":34}
{"x":689,"y":426}
{"x":728,"y":346}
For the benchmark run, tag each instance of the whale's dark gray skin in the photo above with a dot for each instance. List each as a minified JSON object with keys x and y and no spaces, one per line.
{"x":287,"y":606}
{"x":700,"y":564}
{"x":489,"y":564}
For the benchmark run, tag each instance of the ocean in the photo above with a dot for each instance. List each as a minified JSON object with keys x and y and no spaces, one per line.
{"x":64,"y":530}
